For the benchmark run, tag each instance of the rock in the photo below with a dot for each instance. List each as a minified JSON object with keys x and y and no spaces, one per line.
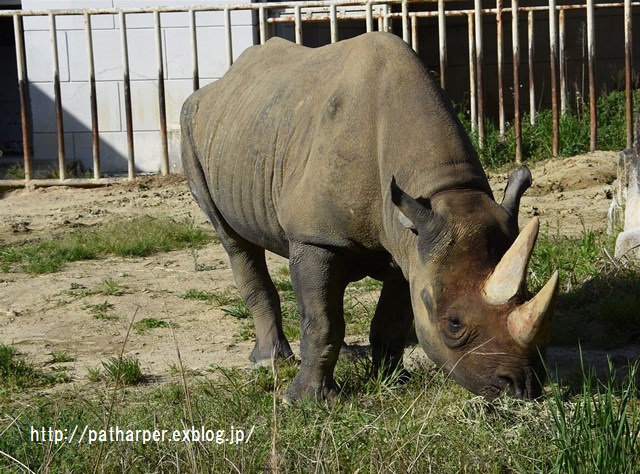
{"x":628,"y":244}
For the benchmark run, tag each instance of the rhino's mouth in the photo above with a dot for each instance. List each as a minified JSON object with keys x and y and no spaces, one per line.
{"x":523,"y":386}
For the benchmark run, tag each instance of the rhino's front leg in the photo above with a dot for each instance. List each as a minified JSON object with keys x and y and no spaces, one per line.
{"x":390,"y":325}
{"x":318,"y":279}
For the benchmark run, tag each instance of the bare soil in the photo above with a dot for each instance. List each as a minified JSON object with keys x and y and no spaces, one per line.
{"x":53,"y":314}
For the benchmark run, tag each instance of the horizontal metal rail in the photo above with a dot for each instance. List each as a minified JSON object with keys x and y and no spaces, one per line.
{"x":383,"y":14}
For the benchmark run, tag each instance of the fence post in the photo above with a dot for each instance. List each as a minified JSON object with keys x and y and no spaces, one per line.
{"x":515,"y":39}
{"x":627,"y":71}
{"x":194,"y":50}
{"x":95,"y":131}
{"x":57,"y":96}
{"x":592,"y":76}
{"x":126,"y":85}
{"x":532,"y":89}
{"x":500,"y":61}
{"x":479,"y":72}
{"x":24,"y":100}
{"x":553,"y":53}
{"x":162,"y":107}
{"x":442,"y":41}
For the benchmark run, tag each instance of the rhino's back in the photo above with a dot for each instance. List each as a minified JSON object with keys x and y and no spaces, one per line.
{"x":300,"y":143}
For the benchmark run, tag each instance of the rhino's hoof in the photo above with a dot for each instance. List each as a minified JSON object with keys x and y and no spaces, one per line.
{"x":264,"y":358}
{"x":298,"y":391}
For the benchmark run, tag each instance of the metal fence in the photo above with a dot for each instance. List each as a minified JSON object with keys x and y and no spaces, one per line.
{"x":408,"y":19}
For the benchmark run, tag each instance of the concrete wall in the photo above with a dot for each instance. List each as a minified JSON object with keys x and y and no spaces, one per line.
{"x":74,"y":77}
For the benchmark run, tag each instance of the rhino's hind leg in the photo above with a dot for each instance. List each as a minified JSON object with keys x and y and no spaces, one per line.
{"x":261,"y":297}
{"x":318,"y":279}
{"x":389,"y":328}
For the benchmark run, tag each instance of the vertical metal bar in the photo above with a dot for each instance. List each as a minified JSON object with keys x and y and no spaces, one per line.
{"x":228,"y":36}
{"x":591,"y":41}
{"x":515,"y":40}
{"x":95,"y":131}
{"x":298,"y":24}
{"x":532,"y":51}
{"x":333,"y":23}
{"x":126,"y":85}
{"x":263,"y":25}
{"x":627,"y":71}
{"x":442,"y":41}
{"x":57,"y":93}
{"x":386,"y":26}
{"x":405,"y":21}
{"x":553,"y":54}
{"x":564,"y":102}
{"x":24,"y":102}
{"x":369,"y":14}
{"x":194,"y":50}
{"x":500,"y":58}
{"x":472,"y":73}
{"x":479,"y":71}
{"x":162,"y":106}
{"x":414,"y":32}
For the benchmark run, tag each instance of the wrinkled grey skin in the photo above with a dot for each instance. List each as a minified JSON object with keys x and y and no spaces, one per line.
{"x":294,"y":150}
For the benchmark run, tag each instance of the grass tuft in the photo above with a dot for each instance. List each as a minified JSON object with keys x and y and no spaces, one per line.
{"x":133,"y":238}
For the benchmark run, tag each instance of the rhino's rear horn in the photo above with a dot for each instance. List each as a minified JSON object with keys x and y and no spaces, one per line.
{"x":529,"y":324}
{"x":511,"y":272}
{"x":519,"y":181}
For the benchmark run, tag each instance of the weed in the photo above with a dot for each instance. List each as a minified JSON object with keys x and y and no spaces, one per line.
{"x":124,"y":370}
{"x":598,"y":429}
{"x":60,"y":357}
{"x":134,"y":238}
{"x":101,"y":310}
{"x":14,"y":371}
{"x":151,"y":323}
{"x":94,"y":374}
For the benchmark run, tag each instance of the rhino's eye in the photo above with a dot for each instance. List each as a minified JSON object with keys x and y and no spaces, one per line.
{"x":454,"y":323}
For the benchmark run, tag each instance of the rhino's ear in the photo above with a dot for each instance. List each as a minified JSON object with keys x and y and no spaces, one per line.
{"x":519,"y":181}
{"x":412,"y":214}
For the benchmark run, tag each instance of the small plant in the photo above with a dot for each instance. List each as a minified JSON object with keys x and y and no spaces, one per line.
{"x":111,"y":287}
{"x":151,"y":323}
{"x":226,"y":300}
{"x":94,"y":374}
{"x":14,"y":172}
{"x":101,"y":310}
{"x":14,"y":371}
{"x":60,"y":358}
{"x":125,"y":370}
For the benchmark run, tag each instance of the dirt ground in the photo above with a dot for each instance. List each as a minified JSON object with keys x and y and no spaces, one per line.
{"x":51,"y":314}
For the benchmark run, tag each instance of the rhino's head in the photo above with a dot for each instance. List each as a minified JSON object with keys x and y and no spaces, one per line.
{"x":468,"y":288}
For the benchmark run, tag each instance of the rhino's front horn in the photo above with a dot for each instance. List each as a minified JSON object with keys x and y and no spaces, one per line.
{"x":511,"y":272}
{"x":526,"y":321}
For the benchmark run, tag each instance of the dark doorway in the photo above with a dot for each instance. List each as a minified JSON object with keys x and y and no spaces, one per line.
{"x":10,"y":129}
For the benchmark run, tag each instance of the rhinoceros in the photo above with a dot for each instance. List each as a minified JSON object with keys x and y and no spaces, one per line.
{"x":350,"y":161}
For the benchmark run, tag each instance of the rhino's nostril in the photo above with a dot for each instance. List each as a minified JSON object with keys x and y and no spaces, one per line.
{"x":511,"y":386}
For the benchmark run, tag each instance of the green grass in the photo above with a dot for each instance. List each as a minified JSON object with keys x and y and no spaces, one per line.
{"x":147,"y":324}
{"x":132,"y":238}
{"x":574,"y":129}
{"x":600,"y":296}
{"x":101,"y":310}
{"x":123,"y":370}
{"x":598,"y":429}
{"x":586,"y":424}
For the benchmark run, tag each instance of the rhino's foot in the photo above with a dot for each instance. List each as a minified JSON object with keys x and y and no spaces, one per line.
{"x":305,"y":386}
{"x":262,"y":356}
